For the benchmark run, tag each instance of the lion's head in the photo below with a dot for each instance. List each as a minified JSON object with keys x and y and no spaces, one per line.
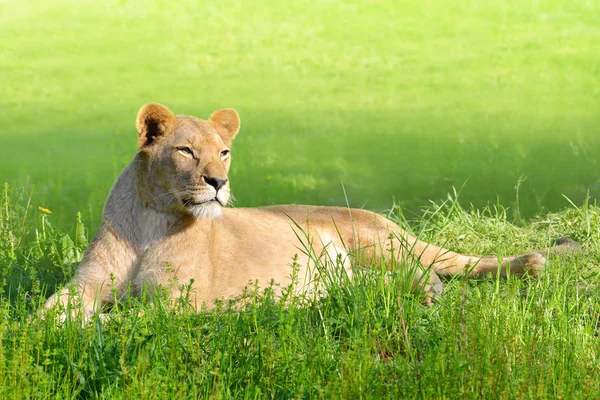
{"x":183,"y":161}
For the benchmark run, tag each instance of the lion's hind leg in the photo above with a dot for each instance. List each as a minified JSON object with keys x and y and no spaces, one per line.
{"x":389,"y":252}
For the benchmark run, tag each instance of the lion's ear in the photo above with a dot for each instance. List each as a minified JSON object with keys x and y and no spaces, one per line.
{"x":226,"y":122}
{"x":153,"y":121}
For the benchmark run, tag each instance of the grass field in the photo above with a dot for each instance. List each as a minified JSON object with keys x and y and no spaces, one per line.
{"x":397,"y":102}
{"x":394,"y":101}
{"x":514,"y":338}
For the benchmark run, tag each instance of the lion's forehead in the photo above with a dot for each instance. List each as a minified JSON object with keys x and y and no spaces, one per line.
{"x":201,"y":134}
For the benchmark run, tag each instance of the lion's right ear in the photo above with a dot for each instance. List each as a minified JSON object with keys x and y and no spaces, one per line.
{"x":227,"y":123}
{"x":153,"y":121}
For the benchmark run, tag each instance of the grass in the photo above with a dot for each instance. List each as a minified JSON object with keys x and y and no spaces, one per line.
{"x":396,"y":100}
{"x":513,"y":338}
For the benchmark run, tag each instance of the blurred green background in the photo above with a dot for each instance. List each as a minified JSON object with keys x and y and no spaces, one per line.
{"x":396,"y":100}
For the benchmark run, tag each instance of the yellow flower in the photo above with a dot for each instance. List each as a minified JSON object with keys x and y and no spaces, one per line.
{"x":44,"y":210}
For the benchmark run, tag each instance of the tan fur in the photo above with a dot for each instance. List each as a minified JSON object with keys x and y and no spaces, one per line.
{"x":165,"y":223}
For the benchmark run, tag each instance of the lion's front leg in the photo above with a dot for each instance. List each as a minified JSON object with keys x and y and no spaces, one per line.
{"x":74,"y":299}
{"x":107,"y":266}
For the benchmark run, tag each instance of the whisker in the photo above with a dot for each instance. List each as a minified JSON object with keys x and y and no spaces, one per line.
{"x":232,"y":200}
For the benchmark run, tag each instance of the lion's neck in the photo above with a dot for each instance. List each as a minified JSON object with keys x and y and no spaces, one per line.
{"x":132,"y":218}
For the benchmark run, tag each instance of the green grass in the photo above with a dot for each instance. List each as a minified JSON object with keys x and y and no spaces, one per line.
{"x":396,"y":101}
{"x":514,"y":338}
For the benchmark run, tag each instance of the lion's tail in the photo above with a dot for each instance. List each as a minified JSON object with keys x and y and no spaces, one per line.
{"x":448,"y":263}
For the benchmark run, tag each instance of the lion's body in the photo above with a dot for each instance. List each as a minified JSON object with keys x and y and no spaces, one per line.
{"x":260,"y":244}
{"x":247,"y":244}
{"x":165,"y":224}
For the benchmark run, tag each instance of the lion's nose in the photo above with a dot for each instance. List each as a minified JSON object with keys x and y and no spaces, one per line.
{"x":217,"y":183}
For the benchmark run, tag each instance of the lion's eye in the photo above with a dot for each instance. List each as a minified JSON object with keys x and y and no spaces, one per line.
{"x":186,"y":151}
{"x":224,"y":154}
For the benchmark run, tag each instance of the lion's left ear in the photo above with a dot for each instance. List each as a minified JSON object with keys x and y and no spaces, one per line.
{"x":226,"y":122}
{"x":153,"y":122}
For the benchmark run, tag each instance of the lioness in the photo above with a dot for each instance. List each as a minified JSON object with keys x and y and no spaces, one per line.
{"x":165,"y":219}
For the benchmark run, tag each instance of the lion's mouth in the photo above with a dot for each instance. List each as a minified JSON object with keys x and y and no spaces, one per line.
{"x":189,"y":202}
{"x":205,"y":208}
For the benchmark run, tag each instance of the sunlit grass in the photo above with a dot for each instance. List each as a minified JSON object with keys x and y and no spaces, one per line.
{"x":394,"y":100}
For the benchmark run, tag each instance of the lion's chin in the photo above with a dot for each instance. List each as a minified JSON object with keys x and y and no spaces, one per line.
{"x":210,"y":209}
